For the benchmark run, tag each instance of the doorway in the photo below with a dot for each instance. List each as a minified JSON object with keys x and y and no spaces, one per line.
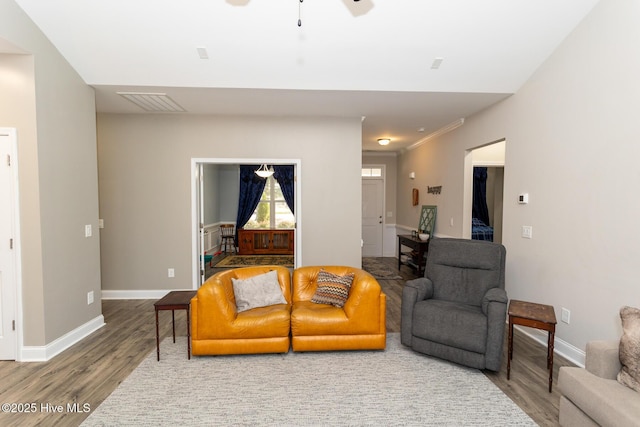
{"x":205,"y":192}
{"x":372,"y":210}
{"x":484,"y":167}
{"x":9,"y":245}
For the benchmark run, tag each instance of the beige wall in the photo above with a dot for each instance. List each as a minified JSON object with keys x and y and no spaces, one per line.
{"x":145,"y":184}
{"x":53,"y":111}
{"x":572,"y":144}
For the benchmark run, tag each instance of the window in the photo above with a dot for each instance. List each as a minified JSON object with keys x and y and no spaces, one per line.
{"x":272,"y":210}
{"x":372,"y":172}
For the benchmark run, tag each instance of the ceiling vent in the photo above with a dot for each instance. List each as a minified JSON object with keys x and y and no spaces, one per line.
{"x":153,"y":102}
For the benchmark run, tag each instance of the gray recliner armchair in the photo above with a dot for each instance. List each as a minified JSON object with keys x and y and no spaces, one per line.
{"x":458,"y":310}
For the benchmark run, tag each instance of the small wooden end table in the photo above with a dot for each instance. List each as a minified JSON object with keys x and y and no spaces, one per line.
{"x":420,"y":246}
{"x":175,"y":300}
{"x":533,"y":315}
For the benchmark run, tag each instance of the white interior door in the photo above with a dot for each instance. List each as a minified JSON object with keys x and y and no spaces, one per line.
{"x":8,"y":244}
{"x":372,"y":221}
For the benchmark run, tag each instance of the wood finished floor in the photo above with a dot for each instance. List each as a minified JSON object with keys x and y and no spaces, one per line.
{"x":89,"y":371}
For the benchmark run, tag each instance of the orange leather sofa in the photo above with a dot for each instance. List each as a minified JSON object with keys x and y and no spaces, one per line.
{"x":359,"y":325}
{"x":217,"y":328}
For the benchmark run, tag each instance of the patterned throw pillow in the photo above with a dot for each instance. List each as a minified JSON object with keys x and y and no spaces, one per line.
{"x":629,"y":375}
{"x":332,"y":288}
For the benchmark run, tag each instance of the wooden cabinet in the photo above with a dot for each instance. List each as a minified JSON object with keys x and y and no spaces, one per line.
{"x":265,"y":242}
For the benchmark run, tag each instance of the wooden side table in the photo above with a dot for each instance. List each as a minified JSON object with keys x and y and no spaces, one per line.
{"x":533,"y":315}
{"x":420,"y":246}
{"x":175,"y":300}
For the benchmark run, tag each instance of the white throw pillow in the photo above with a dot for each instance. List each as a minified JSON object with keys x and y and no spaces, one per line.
{"x":258,"y":291}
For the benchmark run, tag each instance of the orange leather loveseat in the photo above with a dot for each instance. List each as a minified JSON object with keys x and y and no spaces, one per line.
{"x":359,"y":325}
{"x":218,"y":328}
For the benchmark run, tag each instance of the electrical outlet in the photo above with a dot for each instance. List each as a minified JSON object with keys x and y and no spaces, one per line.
{"x":87,"y":230}
{"x":566,"y":315}
{"x":171,"y":273}
{"x":89,"y":297}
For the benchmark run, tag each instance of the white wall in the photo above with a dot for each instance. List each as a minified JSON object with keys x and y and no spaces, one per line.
{"x":144,"y":163}
{"x":489,"y":155}
{"x":572,"y":143}
{"x":54,"y":112}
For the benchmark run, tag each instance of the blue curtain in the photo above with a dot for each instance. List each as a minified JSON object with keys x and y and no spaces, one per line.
{"x":251,"y":188}
{"x":480,"y":209}
{"x":284,"y":175}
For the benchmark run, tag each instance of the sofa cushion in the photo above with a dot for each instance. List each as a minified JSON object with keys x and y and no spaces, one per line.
{"x":332,"y":288}
{"x":257,"y":291}
{"x":457,"y":325}
{"x":605,"y":401}
{"x":629,"y":375}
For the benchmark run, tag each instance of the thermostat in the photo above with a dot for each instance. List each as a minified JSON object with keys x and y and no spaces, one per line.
{"x":523,"y":198}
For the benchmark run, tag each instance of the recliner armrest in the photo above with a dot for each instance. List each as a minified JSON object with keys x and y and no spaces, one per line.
{"x":493,"y":295}
{"x":414,"y":290}
{"x":423,"y":288}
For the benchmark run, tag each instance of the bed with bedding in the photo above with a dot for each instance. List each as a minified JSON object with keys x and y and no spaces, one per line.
{"x":480,"y":230}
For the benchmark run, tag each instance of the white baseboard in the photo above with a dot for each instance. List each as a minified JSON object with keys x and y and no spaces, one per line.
{"x":563,"y":348}
{"x":47,"y":352}
{"x":141,"y":294}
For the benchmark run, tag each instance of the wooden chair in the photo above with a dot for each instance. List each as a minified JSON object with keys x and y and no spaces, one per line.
{"x":227,"y":235}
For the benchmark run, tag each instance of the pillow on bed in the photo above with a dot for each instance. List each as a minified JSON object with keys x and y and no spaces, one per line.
{"x":258,"y":291}
{"x":629,"y":375}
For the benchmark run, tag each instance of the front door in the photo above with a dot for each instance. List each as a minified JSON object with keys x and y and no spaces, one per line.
{"x":372,"y":222}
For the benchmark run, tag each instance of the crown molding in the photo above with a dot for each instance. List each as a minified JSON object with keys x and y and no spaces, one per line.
{"x":441,"y":131}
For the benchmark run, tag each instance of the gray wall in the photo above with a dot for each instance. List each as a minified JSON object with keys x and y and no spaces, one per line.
{"x":211,"y":196}
{"x":228,"y":191}
{"x":221,"y":183}
{"x":54,"y":113}
{"x":572,"y":143}
{"x":145,"y":199}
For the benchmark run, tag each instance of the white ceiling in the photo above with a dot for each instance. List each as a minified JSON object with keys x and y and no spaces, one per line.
{"x":370,"y":58}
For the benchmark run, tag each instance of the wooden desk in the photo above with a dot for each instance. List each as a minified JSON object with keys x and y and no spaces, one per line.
{"x":420,"y":246}
{"x":175,"y":300}
{"x":537,"y":316}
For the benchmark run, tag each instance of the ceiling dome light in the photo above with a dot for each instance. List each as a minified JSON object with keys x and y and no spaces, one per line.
{"x":384,"y":141}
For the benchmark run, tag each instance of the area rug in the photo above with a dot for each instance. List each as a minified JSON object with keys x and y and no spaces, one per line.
{"x":248,"y":260}
{"x":394,"y":387}
{"x":378,"y":269}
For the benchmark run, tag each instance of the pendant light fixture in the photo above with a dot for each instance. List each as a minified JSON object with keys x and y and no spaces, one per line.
{"x":264,"y":172}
